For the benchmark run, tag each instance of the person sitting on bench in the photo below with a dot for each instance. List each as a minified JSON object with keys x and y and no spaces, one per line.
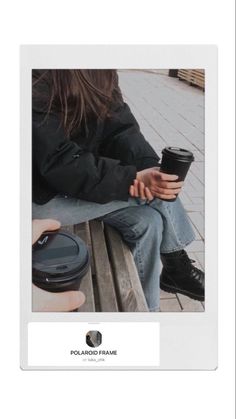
{"x":90,"y":160}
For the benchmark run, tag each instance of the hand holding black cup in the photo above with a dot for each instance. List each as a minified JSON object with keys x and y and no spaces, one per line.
{"x":60,"y":260}
{"x":176,"y":161}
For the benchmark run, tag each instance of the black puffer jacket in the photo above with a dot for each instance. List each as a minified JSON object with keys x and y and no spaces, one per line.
{"x":98,"y":165}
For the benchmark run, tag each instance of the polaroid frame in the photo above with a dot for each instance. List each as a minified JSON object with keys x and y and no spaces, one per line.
{"x":184,"y":341}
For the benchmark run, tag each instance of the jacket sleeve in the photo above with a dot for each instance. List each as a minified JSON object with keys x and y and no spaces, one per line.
{"x":69,"y":169}
{"x":123,"y":140}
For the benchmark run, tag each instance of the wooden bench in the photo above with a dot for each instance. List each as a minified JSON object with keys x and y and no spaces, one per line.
{"x":193,"y":77}
{"x":112,"y":283}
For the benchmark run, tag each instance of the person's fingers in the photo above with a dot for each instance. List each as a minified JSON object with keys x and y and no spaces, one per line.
{"x":164,"y":176}
{"x":163,"y":191}
{"x":170,"y":185}
{"x":142,"y":190}
{"x":131,"y":190}
{"x":75,"y":299}
{"x":47,"y":224}
{"x":148,"y":194}
{"x":39,"y":226}
{"x":136,"y":188}
{"x":66,"y":301}
{"x":165,"y":197}
{"x":59,"y":301}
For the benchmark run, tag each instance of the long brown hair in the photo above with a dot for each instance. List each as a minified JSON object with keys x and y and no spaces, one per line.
{"x":77,"y":95}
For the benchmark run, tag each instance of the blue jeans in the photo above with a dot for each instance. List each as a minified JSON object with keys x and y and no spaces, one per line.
{"x":151,"y":229}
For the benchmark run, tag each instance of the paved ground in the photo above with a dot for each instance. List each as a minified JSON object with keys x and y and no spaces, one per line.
{"x":170,"y":112}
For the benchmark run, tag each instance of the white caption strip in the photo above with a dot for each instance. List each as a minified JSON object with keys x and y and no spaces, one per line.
{"x":122,"y":344}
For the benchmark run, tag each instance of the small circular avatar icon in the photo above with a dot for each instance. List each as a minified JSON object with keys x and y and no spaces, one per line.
{"x":93,"y":338}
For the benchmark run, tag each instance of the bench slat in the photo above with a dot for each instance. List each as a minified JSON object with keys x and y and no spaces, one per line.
{"x":68,"y":228}
{"x":131,"y":296}
{"x":105,"y":284}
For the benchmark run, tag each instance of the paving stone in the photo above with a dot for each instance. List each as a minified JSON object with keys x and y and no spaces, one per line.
{"x":195,"y":246}
{"x":188,"y":304}
{"x":198,"y":221}
{"x":170,"y":305}
{"x":166,"y":295}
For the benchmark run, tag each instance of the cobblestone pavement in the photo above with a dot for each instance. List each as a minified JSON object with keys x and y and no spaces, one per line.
{"x":171,"y":113}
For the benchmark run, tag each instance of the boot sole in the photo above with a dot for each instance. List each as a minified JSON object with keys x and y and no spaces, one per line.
{"x":174,"y":290}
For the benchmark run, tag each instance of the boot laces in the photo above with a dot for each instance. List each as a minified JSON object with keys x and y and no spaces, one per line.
{"x":190,"y":268}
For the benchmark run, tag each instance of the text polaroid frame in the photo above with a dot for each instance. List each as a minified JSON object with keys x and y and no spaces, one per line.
{"x":184,"y":341}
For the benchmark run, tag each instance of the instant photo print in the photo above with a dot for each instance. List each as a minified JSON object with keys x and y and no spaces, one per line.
{"x":118,"y":207}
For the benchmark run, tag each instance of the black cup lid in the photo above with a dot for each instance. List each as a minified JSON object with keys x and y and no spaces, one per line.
{"x":178,"y":153}
{"x":58,"y":255}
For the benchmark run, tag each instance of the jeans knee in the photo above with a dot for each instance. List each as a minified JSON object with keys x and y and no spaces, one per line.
{"x":145,"y":221}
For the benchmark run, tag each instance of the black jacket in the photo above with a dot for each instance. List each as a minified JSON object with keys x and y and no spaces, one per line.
{"x":98,"y":165}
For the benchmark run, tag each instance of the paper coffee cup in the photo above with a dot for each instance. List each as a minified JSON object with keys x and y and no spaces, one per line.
{"x":176,"y":161}
{"x":59,"y":261}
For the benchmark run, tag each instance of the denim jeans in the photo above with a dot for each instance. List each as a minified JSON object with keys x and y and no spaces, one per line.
{"x":148,"y":229}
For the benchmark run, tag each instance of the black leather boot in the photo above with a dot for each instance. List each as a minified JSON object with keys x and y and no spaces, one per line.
{"x":179,"y":275}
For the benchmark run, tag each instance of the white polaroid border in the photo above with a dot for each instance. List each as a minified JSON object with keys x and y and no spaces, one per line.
{"x":186,"y":341}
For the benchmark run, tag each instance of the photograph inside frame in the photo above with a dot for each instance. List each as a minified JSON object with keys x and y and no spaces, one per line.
{"x":118,"y":190}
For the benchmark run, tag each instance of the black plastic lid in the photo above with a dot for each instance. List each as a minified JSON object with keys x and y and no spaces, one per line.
{"x":178,"y":153}
{"x":58,"y":256}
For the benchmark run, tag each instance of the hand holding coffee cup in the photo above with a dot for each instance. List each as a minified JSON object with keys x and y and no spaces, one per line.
{"x":60,"y":260}
{"x":176,"y":161}
{"x":139,"y":190}
{"x":47,"y":301}
{"x":161,"y":185}
{"x":165,"y":182}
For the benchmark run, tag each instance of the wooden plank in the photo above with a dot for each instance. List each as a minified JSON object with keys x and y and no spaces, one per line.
{"x":103,"y":274}
{"x":86,"y":284}
{"x":69,"y":228}
{"x":190,"y":73}
{"x":128,"y":285}
{"x":196,"y":77}
{"x":184,"y":74}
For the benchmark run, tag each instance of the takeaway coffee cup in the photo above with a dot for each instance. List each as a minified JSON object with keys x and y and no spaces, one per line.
{"x":176,"y":161}
{"x":59,"y":261}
